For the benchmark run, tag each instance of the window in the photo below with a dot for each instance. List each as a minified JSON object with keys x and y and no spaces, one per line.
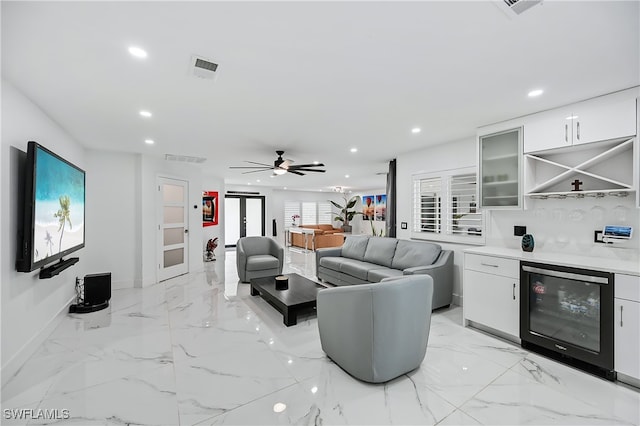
{"x":445,"y":207}
{"x":310,"y":212}
{"x":325,"y":215}
{"x":428,"y":212}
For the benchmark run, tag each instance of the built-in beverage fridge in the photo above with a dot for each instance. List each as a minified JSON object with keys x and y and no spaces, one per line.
{"x":567,"y":313}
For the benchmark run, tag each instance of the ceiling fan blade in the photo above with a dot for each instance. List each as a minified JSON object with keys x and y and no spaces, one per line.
{"x":297,"y":166}
{"x":251,"y":167}
{"x":295,"y":172}
{"x":261,"y":164}
{"x":256,"y":171}
{"x":309,"y":170}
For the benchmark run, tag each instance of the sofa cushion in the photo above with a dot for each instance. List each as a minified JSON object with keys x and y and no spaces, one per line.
{"x":354,"y":247}
{"x":332,"y":263}
{"x":414,"y":253}
{"x":376,"y":275}
{"x":326,"y":227}
{"x":260,"y":262}
{"x":380,"y":251}
{"x":356,"y":268}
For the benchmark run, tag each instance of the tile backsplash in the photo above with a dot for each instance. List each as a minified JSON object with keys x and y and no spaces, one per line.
{"x":567,"y":226}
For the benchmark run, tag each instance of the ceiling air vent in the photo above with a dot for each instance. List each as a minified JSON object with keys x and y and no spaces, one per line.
{"x":204,"y":68}
{"x":184,"y":158}
{"x":519,"y":6}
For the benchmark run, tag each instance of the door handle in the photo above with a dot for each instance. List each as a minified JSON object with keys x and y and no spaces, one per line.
{"x":621,"y":315}
{"x":566,"y":133}
{"x":578,"y":130}
{"x":186,"y":231}
{"x":514,"y":291}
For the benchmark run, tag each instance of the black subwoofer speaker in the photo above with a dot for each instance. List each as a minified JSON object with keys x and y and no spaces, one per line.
{"x":97,"y":293}
{"x":97,"y":288}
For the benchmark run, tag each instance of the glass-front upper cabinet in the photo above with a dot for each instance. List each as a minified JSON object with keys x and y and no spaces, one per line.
{"x":499,"y":172}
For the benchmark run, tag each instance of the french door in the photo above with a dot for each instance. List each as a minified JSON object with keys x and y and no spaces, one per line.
{"x":173,"y":228}
{"x":243,"y":217}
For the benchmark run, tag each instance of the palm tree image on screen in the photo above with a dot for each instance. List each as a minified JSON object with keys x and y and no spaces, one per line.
{"x":64,"y":216}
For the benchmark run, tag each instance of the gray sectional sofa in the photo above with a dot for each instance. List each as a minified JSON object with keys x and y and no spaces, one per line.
{"x":364,"y":259}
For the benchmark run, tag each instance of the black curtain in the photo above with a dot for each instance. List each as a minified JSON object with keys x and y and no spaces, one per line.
{"x":390,"y":224}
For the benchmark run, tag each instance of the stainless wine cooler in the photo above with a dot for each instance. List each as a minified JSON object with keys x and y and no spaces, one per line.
{"x":567,"y":314}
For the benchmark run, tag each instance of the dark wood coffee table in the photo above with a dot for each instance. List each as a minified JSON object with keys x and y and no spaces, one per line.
{"x":301,"y":295}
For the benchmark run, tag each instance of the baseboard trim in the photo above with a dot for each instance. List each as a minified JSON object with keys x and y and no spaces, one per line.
{"x":15,"y":364}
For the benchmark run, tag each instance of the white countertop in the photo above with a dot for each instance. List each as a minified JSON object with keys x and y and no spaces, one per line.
{"x":619,"y":266}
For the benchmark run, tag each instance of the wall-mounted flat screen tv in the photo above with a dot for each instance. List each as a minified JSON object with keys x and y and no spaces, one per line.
{"x":53,"y":219}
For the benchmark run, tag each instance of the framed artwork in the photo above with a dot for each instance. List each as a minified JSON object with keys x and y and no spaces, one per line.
{"x":209,"y":208}
{"x":368,"y":207}
{"x":381,"y":207}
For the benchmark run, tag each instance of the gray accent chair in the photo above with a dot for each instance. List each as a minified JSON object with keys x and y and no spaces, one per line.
{"x":258,"y":257}
{"x":377,"y":332}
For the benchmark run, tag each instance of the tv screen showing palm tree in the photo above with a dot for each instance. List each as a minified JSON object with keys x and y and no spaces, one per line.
{"x":58,"y":216}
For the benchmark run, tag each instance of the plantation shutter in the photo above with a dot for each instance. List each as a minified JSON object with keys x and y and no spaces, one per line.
{"x":428,"y":205}
{"x":309,"y":214}
{"x":324,"y":213}
{"x":464,"y":218}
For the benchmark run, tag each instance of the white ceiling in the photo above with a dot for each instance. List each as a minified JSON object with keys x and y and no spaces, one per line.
{"x":311,"y":78}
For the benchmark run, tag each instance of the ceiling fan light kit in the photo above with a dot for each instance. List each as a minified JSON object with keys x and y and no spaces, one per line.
{"x":281,"y":167}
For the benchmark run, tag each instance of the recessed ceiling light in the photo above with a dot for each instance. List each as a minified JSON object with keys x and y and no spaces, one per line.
{"x":248,"y":183}
{"x":354,"y":149}
{"x":347,"y":176}
{"x":257,"y":180}
{"x":285,"y":187}
{"x":137,"y":52}
{"x":416,"y":130}
{"x":534,"y":93}
{"x":149,"y":141}
{"x":145,"y":113}
{"x":279,"y":407}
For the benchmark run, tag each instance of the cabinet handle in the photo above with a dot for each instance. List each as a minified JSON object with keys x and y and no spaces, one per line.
{"x":621,"y":315}
{"x":566,"y":133}
{"x":514,"y":291}
{"x":488,"y":264}
{"x":578,"y":129}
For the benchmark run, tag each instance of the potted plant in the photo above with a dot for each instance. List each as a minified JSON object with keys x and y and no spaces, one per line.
{"x":346,"y":212}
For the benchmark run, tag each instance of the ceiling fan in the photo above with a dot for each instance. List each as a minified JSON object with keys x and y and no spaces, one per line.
{"x":281,"y":166}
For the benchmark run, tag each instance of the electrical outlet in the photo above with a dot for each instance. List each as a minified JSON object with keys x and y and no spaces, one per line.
{"x":597,"y":236}
{"x":519,"y":231}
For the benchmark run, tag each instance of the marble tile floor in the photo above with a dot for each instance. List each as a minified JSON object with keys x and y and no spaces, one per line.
{"x":200,"y":350}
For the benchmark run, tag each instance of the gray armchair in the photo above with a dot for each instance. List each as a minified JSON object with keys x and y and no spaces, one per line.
{"x":258,"y":257}
{"x":377,"y":332}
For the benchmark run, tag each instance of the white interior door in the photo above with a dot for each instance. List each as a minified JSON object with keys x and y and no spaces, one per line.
{"x":173,"y":229}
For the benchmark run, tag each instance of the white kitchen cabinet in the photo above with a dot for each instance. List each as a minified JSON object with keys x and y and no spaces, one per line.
{"x":627,"y":326}
{"x":499,"y":176}
{"x":492,"y":293}
{"x":607,"y":117}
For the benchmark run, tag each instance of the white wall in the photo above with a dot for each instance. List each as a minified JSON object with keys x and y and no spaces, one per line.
{"x":447,"y":156}
{"x":30,"y":306}
{"x":112,"y":209}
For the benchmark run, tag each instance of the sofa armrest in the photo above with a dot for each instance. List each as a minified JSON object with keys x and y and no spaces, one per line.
{"x":442,"y":273}
{"x":329,"y":252}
